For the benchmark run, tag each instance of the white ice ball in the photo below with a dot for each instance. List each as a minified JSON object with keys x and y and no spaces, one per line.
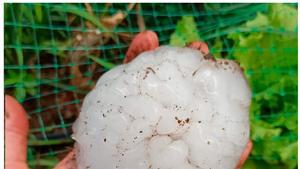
{"x":169,"y":109}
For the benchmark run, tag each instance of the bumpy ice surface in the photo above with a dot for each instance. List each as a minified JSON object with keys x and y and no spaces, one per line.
{"x":169,"y":109}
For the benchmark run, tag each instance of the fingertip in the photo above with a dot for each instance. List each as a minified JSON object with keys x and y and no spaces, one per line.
{"x":69,"y":162}
{"x":143,"y":41}
{"x":245,"y":154}
{"x":199,"y":45}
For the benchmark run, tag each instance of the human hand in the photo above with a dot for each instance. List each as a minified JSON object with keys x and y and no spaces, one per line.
{"x":16,"y":123}
{"x":16,"y":132}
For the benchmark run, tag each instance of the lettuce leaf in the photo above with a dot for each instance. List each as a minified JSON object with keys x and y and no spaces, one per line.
{"x":267,"y":50}
{"x":185,"y":32}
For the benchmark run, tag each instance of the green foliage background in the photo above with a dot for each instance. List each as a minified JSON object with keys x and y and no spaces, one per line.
{"x":261,"y":37}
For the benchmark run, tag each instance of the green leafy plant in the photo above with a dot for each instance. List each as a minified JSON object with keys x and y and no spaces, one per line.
{"x":185,"y":32}
{"x":24,"y":83}
{"x":267,"y":50}
{"x":266,"y":47}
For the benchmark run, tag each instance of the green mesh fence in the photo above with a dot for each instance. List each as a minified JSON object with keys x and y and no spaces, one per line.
{"x":54,"y":53}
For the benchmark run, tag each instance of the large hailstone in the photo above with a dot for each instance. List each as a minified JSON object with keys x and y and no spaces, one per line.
{"x":167,"y":109}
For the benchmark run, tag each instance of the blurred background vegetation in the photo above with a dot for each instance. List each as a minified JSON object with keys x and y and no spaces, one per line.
{"x":54,"y":53}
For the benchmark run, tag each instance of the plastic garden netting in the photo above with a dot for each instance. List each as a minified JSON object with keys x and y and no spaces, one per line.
{"x":54,"y":53}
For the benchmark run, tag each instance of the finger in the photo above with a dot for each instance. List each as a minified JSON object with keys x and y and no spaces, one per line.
{"x":16,"y":132}
{"x":245,"y":154}
{"x":144,"y":41}
{"x":69,"y":162}
{"x":198,"y":45}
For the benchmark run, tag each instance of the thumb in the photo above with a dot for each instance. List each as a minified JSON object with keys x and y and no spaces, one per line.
{"x":69,"y":162}
{"x":16,"y":132}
